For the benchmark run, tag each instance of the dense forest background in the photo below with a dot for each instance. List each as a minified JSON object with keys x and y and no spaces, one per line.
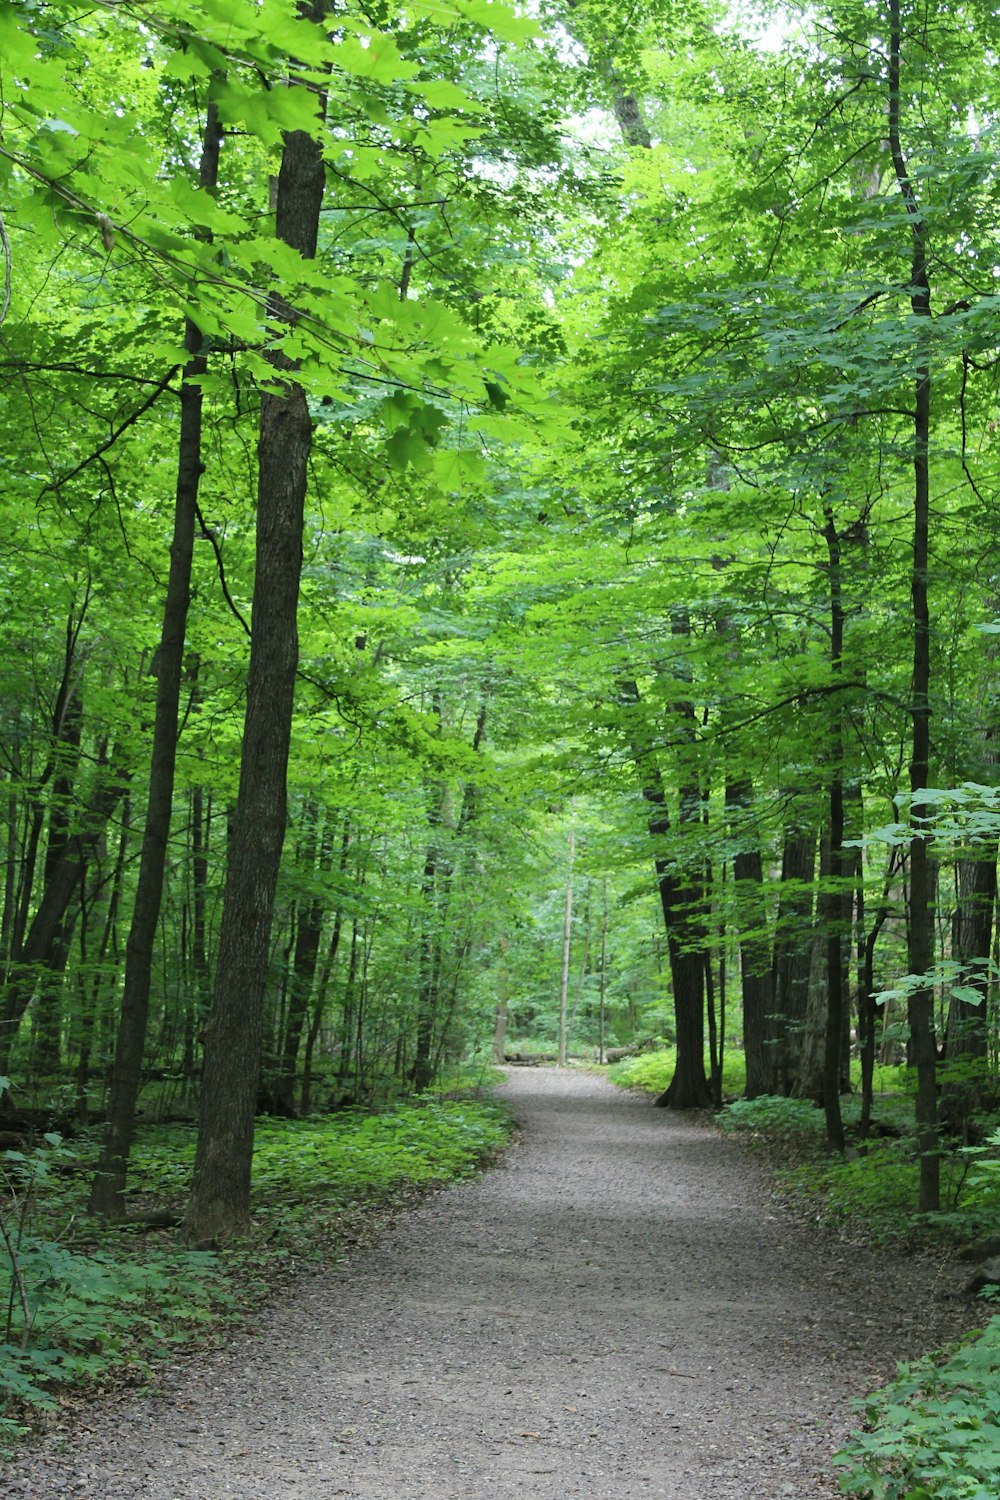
{"x":501,"y":522}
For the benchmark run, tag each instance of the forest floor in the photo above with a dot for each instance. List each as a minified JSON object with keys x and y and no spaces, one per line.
{"x":621,"y":1308}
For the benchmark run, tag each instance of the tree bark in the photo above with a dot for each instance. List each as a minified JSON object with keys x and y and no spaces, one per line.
{"x":500,"y":1013}
{"x":37,"y":952}
{"x":793,"y":945}
{"x":219,"y":1207}
{"x":755,"y":949}
{"x":108,"y":1188}
{"x":835,"y":903}
{"x":681,"y":901}
{"x":305,"y":957}
{"x":966,"y":1074}
{"x":46,"y":1015}
{"x":920,"y":942}
{"x":566,"y":942}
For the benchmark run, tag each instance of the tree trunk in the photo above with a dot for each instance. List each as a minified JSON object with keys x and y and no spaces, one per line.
{"x":422,"y":1073}
{"x":47,"y":1011}
{"x":500,"y":1014}
{"x":681,"y":901}
{"x":604,"y":974}
{"x":835,"y":902}
{"x":793,"y":945}
{"x":966,"y":1081}
{"x":436,"y":888}
{"x":305,"y":956}
{"x":566,"y":943}
{"x":38,"y":951}
{"x":108,"y":1189}
{"x":220,"y":1198}
{"x":920,"y":946}
{"x":755,"y":948}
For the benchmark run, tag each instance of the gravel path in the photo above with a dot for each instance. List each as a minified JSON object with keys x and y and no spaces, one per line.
{"x":620,"y":1309}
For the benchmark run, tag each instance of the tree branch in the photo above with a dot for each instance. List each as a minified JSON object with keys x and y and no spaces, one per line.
{"x":211,"y":537}
{"x":130,"y":421}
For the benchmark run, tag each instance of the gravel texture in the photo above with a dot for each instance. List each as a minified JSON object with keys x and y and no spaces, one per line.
{"x":619,"y":1309}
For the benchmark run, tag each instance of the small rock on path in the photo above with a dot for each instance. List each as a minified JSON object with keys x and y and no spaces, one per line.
{"x":619,"y":1310}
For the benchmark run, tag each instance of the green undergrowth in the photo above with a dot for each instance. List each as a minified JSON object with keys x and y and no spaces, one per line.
{"x":873,"y":1188}
{"x":933,"y":1433}
{"x":87,"y":1304}
{"x":652,"y":1071}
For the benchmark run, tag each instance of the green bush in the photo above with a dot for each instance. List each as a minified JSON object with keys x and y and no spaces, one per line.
{"x":773,"y":1115}
{"x":653,"y":1071}
{"x":934,"y":1432}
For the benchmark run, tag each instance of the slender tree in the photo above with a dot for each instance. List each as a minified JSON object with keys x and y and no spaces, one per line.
{"x":220,"y":1195}
{"x":107,"y":1191}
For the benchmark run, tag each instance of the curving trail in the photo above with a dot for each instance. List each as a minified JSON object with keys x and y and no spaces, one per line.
{"x":618,"y":1310}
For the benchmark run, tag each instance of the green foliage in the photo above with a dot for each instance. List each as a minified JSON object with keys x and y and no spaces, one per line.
{"x":934,"y":1432}
{"x":875,"y":1192}
{"x":90,"y":1308}
{"x":874,"y":1186}
{"x":345,"y":1156}
{"x":772,"y":1115}
{"x":652,"y":1071}
{"x":76,"y":1309}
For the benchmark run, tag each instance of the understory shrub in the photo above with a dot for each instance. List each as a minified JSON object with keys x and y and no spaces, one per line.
{"x":774,"y":1115}
{"x":653,"y":1071}
{"x":933,"y":1433}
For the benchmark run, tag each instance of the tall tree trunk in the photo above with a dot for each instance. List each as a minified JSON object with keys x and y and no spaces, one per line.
{"x":66,"y":694}
{"x":438,"y":874}
{"x":567,"y":939}
{"x":681,"y":901}
{"x":325,"y":977}
{"x":46,"y":1013}
{"x":966,"y":1073}
{"x":220,"y":1196}
{"x":305,"y":956}
{"x":500,"y":1014}
{"x":835,"y":903}
{"x":968,"y":1085}
{"x":584,"y":967}
{"x":604,"y":973}
{"x":682,"y":892}
{"x":94,"y":982}
{"x":108,"y":1189}
{"x":920,"y":954}
{"x":867,"y":1008}
{"x":793,"y":944}
{"x":38,"y":952}
{"x":422,"y":1072}
{"x":755,"y":947}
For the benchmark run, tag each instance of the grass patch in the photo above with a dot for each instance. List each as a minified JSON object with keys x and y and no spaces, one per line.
{"x":86,"y":1303}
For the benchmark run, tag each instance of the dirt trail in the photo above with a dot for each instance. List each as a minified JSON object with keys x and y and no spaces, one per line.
{"x":618,"y":1310}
